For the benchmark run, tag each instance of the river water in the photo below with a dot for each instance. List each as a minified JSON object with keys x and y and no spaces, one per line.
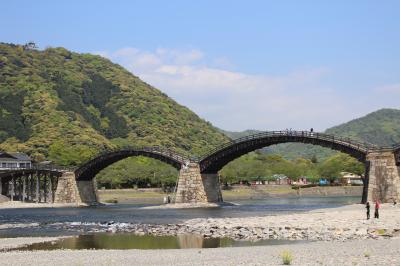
{"x":134,"y":213}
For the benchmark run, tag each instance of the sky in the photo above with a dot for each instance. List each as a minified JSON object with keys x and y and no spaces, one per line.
{"x":265,"y":65}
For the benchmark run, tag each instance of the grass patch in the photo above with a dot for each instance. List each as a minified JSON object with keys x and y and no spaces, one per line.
{"x":287,"y":257}
{"x":121,"y":195}
{"x":381,"y":231}
{"x":241,"y":192}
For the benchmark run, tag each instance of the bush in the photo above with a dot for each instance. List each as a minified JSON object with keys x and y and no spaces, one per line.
{"x":287,"y":257}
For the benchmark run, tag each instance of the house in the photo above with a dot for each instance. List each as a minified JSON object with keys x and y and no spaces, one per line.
{"x":350,"y":179}
{"x":14,"y":160}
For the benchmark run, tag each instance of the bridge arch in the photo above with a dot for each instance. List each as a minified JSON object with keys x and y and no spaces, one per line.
{"x":219,"y":157}
{"x":90,"y":169}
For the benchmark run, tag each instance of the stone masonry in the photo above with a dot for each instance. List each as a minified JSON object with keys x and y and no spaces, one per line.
{"x":194,"y":187}
{"x":69,"y":190}
{"x":384,"y":177}
{"x":88,"y":191}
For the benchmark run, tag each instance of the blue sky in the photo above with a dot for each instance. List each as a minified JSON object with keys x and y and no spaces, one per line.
{"x":239,"y":64}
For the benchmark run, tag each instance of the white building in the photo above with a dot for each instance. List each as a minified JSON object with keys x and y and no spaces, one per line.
{"x":350,"y":179}
{"x":14,"y":161}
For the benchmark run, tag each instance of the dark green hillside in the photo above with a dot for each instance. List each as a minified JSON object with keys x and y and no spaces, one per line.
{"x":63,"y":106}
{"x":236,"y":135}
{"x":381,"y":127}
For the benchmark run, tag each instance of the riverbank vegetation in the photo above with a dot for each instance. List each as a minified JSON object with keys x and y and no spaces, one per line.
{"x":255,"y":166}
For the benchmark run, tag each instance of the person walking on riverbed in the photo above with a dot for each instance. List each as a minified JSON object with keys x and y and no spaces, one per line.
{"x":377,"y":206}
{"x":368,"y":207}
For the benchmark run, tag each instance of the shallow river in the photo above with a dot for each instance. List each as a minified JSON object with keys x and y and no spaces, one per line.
{"x":134,"y":213}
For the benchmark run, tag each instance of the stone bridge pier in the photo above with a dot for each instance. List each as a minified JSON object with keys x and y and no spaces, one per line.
{"x":195,"y":187}
{"x":382,"y":182}
{"x":70,"y":190}
{"x":383,"y":177}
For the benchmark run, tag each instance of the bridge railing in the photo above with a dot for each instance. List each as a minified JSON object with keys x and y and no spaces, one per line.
{"x":364,"y":146}
{"x":39,"y":166}
{"x":152,"y":149}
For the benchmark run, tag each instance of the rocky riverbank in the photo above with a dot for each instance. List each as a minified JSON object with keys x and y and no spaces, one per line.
{"x":344,"y":223}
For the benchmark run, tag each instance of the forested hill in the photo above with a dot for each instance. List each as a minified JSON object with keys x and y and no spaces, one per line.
{"x":381,"y":127}
{"x":64,"y":106}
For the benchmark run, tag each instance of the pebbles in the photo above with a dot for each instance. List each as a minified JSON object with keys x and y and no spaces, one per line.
{"x":339,"y":224}
{"x":336,"y":224}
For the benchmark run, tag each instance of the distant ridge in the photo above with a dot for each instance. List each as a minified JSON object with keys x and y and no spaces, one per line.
{"x":381,"y":127}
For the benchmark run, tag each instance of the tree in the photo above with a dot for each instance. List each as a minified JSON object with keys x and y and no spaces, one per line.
{"x":314,"y":159}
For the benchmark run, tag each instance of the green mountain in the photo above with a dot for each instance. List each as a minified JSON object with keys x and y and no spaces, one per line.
{"x":64,"y":106}
{"x":381,"y":127}
{"x":236,"y":135}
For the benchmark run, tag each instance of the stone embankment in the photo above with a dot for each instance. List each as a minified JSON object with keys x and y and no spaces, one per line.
{"x":345,"y":223}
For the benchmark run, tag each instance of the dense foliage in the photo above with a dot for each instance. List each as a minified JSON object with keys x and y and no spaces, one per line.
{"x":261,"y":166}
{"x":66,"y":107}
{"x":138,"y":172}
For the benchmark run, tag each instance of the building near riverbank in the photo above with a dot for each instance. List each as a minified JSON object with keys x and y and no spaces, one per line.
{"x":350,"y":179}
{"x":14,"y":161}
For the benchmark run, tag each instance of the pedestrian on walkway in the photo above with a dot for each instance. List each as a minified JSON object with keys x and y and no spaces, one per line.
{"x":377,"y":206}
{"x":368,"y":207}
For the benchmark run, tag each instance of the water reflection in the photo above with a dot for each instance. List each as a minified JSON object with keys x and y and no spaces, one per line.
{"x":131,"y":241}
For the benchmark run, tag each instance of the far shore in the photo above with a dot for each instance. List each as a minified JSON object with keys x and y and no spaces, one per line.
{"x":234,"y":193}
{"x":156,"y":196}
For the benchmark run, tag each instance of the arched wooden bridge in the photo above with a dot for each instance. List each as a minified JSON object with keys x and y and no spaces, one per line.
{"x":88,"y":170}
{"x":200,"y":174}
{"x":216,"y":159}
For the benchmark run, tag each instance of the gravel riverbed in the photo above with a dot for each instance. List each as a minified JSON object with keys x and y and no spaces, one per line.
{"x":343,"y":223}
{"x":339,"y":236}
{"x":355,"y":252}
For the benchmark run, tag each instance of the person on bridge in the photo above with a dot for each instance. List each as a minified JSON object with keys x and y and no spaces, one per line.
{"x":368,"y":207}
{"x":377,"y":206}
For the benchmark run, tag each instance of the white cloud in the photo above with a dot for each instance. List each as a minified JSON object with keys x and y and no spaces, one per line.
{"x":234,"y":100}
